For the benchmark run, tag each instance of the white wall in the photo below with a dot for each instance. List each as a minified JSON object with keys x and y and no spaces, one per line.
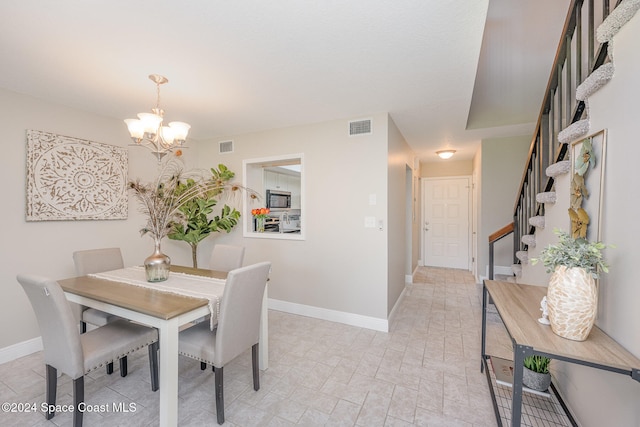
{"x":448,"y":167}
{"x":341,"y":265}
{"x":600,"y":398}
{"x":502,"y":163}
{"x":400,"y":156}
{"x":45,"y":248}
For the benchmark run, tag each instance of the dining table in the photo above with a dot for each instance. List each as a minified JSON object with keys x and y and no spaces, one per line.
{"x":190,"y":295}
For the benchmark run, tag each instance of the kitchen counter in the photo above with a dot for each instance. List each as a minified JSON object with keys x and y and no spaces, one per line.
{"x":281,"y":224}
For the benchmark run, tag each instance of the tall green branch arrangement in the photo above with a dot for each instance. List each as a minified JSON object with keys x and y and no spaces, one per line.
{"x":179,"y":203}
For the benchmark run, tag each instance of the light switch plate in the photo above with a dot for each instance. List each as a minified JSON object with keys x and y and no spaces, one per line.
{"x":370,"y":222}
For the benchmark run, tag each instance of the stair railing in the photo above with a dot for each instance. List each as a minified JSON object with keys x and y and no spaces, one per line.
{"x":576,"y":58}
{"x":493,"y":238}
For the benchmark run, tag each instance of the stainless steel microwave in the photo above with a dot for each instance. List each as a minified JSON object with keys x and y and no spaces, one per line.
{"x":278,"y":199}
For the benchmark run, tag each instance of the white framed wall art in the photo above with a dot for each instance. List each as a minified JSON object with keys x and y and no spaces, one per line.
{"x":74,"y":179}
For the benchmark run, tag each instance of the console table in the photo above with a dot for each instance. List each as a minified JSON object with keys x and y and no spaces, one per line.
{"x":519,"y":308}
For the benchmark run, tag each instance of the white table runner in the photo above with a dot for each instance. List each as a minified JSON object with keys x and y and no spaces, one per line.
{"x":178,"y":283}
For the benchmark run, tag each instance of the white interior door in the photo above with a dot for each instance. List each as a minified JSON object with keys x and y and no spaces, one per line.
{"x":446,"y":222}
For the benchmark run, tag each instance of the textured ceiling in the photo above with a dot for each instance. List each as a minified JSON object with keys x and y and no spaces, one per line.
{"x":245,"y":66}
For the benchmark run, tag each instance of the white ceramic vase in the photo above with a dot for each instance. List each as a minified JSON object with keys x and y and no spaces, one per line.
{"x":572,"y":300}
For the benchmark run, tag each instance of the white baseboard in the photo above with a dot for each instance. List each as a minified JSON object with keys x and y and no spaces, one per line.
{"x":16,"y":351}
{"x":498,"y":269}
{"x":395,"y":306}
{"x":352,"y":319}
{"x":501,"y":269}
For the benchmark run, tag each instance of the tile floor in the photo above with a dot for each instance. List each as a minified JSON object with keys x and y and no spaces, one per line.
{"x":424,"y":372}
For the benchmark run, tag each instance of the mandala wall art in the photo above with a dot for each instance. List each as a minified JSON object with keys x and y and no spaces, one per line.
{"x":74,"y":179}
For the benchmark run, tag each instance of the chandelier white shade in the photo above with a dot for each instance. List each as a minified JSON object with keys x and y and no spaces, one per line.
{"x":445,"y":154}
{"x":147,"y":130}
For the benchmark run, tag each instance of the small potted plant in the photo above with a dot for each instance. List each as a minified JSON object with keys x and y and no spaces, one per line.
{"x":572,"y":295}
{"x":536,"y":374}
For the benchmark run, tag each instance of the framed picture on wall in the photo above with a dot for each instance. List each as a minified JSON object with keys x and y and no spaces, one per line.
{"x":588,"y":158}
{"x":74,"y":179}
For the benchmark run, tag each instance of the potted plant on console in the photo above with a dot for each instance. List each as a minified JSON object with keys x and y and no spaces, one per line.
{"x":572,"y":295}
{"x":536,"y":374}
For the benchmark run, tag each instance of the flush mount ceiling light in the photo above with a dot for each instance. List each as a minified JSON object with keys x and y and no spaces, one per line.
{"x":445,"y":154}
{"x":147,"y":129}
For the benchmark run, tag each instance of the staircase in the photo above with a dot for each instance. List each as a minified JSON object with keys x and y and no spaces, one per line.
{"x":581,"y":68}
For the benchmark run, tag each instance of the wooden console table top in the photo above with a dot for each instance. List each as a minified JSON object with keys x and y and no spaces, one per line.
{"x":519,"y":308}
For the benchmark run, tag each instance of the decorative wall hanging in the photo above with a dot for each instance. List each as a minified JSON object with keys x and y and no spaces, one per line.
{"x":74,"y":179}
{"x":587,"y":171}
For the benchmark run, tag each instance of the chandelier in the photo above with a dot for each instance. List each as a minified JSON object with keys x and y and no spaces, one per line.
{"x":147,"y":130}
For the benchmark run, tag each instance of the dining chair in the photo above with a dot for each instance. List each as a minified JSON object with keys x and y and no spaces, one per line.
{"x":76,"y":354}
{"x":226,"y":257}
{"x":238,"y":327}
{"x":97,"y":261}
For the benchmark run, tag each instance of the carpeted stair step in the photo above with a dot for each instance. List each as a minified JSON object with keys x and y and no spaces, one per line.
{"x":574,"y":132}
{"x":559,"y":168}
{"x":517,"y":270}
{"x":546,"y":197}
{"x":616,"y":20}
{"x":596,"y":80}
{"x":523,"y":256}
{"x":529,"y":240}
{"x":537,"y":221}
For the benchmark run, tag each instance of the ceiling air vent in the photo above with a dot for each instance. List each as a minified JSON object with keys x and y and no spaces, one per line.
{"x":360,"y":127}
{"x":226,"y":147}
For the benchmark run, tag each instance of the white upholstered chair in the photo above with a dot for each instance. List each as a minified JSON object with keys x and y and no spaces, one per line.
{"x":75,"y":354}
{"x":238,"y":327}
{"x":226,"y":257}
{"x":97,"y":261}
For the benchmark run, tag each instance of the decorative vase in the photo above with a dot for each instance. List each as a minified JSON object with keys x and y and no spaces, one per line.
{"x":572,"y":300}
{"x":157,"y":265}
{"x":536,"y":380}
{"x":260,"y":225}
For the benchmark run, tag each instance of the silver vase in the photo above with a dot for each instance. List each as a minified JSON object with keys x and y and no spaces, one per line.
{"x":157,"y":266}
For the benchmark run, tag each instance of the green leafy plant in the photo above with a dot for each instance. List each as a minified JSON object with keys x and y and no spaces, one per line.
{"x":571,"y":252}
{"x":537,"y":363}
{"x":195,"y":224}
{"x":178,"y":203}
